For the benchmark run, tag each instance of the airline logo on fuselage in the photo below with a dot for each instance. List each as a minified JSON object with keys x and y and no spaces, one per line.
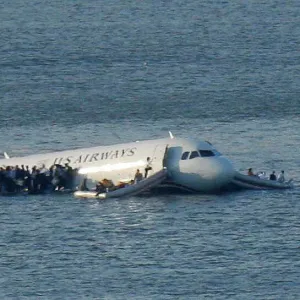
{"x":94,"y":157}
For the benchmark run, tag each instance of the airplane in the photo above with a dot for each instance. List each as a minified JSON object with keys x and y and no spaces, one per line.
{"x":192,"y":165}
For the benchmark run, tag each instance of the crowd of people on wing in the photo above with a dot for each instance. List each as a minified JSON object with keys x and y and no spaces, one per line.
{"x":262,"y":175}
{"x":15,"y":179}
{"x":38,"y":180}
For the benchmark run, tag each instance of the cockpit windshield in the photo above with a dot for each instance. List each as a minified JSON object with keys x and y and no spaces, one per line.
{"x":200,"y":153}
{"x":185,"y":155}
{"x":194,"y":154}
{"x":206,"y":153}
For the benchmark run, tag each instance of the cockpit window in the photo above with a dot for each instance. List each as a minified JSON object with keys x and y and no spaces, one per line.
{"x":206,"y":153}
{"x":203,"y":153}
{"x":217,"y":153}
{"x":185,"y":155}
{"x":194,"y":154}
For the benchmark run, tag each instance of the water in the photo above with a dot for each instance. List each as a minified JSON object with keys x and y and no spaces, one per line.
{"x":77,"y":73}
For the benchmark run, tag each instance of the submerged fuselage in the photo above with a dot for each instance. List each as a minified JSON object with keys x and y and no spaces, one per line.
{"x":195,"y":165}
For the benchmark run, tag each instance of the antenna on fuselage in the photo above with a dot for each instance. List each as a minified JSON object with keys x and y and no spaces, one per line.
{"x":6,"y":155}
{"x":171,"y":135}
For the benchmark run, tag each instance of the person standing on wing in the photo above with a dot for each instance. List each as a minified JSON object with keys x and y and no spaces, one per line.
{"x":148,"y":167}
{"x":281,"y":177}
{"x":273,"y":176}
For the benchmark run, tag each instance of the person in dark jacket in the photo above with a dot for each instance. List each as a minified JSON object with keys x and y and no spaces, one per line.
{"x":273,"y":176}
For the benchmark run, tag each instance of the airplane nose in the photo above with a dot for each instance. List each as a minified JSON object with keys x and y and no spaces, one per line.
{"x":217,"y":172}
{"x":224,"y":171}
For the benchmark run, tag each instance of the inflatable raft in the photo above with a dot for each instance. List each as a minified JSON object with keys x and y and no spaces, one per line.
{"x":129,"y":190}
{"x":254,"y":182}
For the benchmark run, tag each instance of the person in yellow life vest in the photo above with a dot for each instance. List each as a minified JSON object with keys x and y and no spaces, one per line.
{"x":108,"y":185}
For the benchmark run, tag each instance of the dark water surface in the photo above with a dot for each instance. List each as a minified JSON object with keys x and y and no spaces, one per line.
{"x":76,"y":74}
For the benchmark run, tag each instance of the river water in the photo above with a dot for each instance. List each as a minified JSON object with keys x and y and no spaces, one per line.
{"x":77,"y":74}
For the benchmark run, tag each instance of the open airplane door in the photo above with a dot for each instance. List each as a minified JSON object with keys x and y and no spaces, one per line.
{"x":172,"y":158}
{"x":158,"y":160}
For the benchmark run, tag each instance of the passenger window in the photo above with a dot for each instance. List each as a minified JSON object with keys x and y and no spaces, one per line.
{"x":206,"y":153}
{"x":194,"y":154}
{"x":185,"y":155}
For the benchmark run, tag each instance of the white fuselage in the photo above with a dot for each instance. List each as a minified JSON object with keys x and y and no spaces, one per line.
{"x":191,"y":164}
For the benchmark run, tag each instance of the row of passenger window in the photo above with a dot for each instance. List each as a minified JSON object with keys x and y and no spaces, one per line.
{"x":193,"y":154}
